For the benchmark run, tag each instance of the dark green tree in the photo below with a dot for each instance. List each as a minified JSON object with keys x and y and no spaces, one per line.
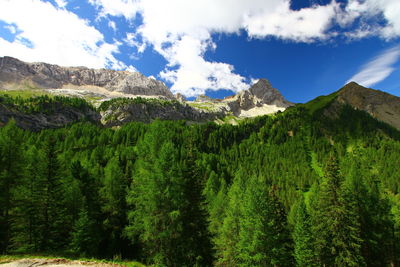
{"x":302,"y":236}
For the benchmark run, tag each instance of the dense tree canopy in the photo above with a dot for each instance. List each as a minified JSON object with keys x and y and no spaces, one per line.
{"x":292,"y":189}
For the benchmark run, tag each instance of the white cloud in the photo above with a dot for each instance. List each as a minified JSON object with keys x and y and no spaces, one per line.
{"x":378,"y":68}
{"x":304,"y":25}
{"x":194,"y":75}
{"x":61,"y":3}
{"x":48,"y":34}
{"x":11,"y":28}
{"x":125,"y":8}
{"x":131,"y":69}
{"x":131,"y":41}
{"x":181,"y":31}
{"x":112,"y":25}
{"x":370,"y":11}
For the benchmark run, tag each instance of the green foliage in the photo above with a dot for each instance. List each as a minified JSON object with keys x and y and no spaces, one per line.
{"x":173,"y":194}
{"x":122,"y":101}
{"x":43,"y":103}
{"x":319,"y":103}
{"x":302,"y":236}
{"x":84,"y":238}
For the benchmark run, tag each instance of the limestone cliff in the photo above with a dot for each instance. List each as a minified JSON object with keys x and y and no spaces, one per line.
{"x":48,"y":76}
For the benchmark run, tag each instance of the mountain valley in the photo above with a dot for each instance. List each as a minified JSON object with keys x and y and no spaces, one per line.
{"x":112,"y":165}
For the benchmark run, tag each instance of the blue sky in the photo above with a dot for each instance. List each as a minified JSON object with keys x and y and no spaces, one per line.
{"x":304,"y":47}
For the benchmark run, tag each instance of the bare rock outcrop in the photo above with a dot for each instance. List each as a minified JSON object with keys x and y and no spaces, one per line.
{"x":46,"y":76}
{"x":259,"y":99}
{"x":380,"y":105}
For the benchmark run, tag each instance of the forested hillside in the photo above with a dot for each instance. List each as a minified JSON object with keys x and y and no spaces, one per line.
{"x":293,"y":189}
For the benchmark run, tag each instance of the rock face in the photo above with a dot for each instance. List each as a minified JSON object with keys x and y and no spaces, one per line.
{"x":181,"y":98}
{"x":146,"y":110}
{"x":260,"y":96}
{"x":204,"y":98}
{"x":61,"y":116}
{"x":43,"y":75}
{"x":383,"y":106}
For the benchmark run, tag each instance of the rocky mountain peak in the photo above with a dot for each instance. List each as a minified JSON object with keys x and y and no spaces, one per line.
{"x":180,"y":97}
{"x":266,"y":94}
{"x":48,"y":76}
{"x":259,"y":94}
{"x":381,"y":105}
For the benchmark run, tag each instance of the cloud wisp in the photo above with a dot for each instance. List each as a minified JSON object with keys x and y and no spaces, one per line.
{"x":378,"y":69}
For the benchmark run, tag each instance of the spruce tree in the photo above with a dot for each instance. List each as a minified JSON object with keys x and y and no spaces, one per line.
{"x":11,"y":171}
{"x":336,"y":226}
{"x":302,"y":236}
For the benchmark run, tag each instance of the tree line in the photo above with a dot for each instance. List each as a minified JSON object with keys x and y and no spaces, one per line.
{"x":293,"y":189}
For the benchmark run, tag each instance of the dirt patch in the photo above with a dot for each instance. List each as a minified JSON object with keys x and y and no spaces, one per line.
{"x":55,"y":263}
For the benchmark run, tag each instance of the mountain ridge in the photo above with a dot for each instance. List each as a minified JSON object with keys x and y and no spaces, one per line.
{"x":49,"y":76}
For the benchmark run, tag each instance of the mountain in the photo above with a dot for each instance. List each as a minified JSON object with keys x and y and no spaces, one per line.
{"x":44,"y":112}
{"x":380,"y":105}
{"x":307,"y":186}
{"x":101,"y":85}
{"x":260,"y":99}
{"x":79,"y":81}
{"x":119,"y":111}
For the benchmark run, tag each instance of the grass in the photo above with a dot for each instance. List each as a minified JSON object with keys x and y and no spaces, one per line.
{"x":205,"y":106}
{"x":24,"y":93}
{"x":319,"y":102}
{"x":13,"y":257}
{"x":315,"y":165}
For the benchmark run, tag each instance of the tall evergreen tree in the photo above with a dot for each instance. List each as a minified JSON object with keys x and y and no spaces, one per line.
{"x":113,"y":193}
{"x":163,"y":197}
{"x":336,"y":226}
{"x":11,"y":171}
{"x":302,"y":237}
{"x":53,"y":230}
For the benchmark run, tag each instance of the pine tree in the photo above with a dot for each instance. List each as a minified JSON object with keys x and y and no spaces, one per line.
{"x":53,"y":232}
{"x":164,"y":195}
{"x":347,"y":236}
{"x":11,"y":171}
{"x":227,"y":238}
{"x":113,"y":193}
{"x":336,"y":226}
{"x":325,"y":215}
{"x":28,"y":212}
{"x":302,"y":237}
{"x":85,"y":237}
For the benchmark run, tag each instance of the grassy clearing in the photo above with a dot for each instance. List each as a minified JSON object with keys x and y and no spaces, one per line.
{"x":24,"y":93}
{"x":205,"y":106}
{"x":319,"y":102}
{"x":9,"y":258}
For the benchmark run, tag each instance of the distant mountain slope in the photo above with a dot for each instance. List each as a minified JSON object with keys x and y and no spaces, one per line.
{"x":99,"y":82}
{"x":260,"y":99}
{"x":380,"y":105}
{"x":45,"y":112}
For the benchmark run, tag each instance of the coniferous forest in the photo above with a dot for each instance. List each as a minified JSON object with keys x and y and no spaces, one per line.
{"x":292,"y":189}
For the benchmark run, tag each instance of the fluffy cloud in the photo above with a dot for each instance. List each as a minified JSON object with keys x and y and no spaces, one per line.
{"x":49,"y":34}
{"x":61,"y":3}
{"x":371,"y":12}
{"x":378,"y":68}
{"x":304,"y":25}
{"x":194,"y":75}
{"x":112,"y":25}
{"x":126,"y":8}
{"x":181,"y":31}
